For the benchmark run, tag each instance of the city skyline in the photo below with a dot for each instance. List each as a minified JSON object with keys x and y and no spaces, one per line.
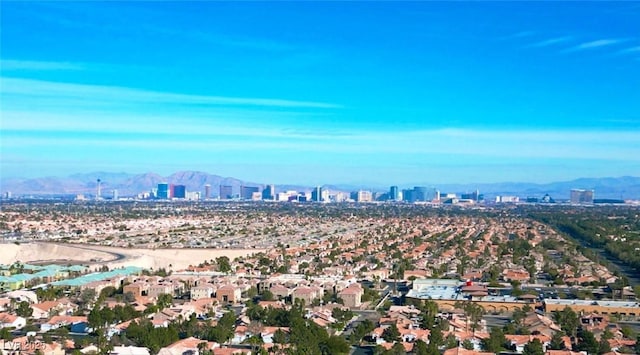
{"x":353,"y":93}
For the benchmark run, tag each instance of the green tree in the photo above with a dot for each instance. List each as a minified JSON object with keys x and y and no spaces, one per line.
{"x":467,"y":344}
{"x":568,"y":321}
{"x":5,"y":334}
{"x":129,"y":297}
{"x":472,"y":311}
{"x":87,"y":296}
{"x":336,"y":345}
{"x":604,"y":346}
{"x":267,"y":296}
{"x":533,"y":347}
{"x":396,"y":349}
{"x":587,"y":342}
{"x":224,"y":265}
{"x":556,"y":343}
{"x":280,"y":337}
{"x":391,"y":333}
{"x":495,"y":342}
{"x":164,"y":300}
{"x":450,"y":341}
{"x":24,"y":309}
{"x":428,"y":313}
{"x":420,"y":348}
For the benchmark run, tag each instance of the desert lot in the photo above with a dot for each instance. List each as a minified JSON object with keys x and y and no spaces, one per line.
{"x":174,"y":259}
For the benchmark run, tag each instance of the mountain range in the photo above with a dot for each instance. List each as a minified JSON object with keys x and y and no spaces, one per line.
{"x":626,"y":187}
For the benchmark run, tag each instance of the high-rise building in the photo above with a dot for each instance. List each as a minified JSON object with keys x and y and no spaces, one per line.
{"x":179,"y":191}
{"x":364,"y":196}
{"x":394,"y":194}
{"x":163,"y":191}
{"x":316,"y":194}
{"x":98,"y":189}
{"x":408,"y":195}
{"x":475,"y":196}
{"x":115,"y":195}
{"x":172,"y":191}
{"x":207,"y":191}
{"x":226,"y":192}
{"x":246,"y":192}
{"x":269,"y":192}
{"x":579,"y":196}
{"x":420,"y":193}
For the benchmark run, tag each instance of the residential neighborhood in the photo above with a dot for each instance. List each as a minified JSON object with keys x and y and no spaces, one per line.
{"x":374,"y":279}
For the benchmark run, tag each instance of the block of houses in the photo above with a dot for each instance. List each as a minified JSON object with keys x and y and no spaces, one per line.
{"x":137,"y":288}
{"x":306,"y":294}
{"x":519,"y":341}
{"x":8,"y":320}
{"x":515,"y":275}
{"x":60,"y":321}
{"x":45,"y":310}
{"x":352,"y":296}
{"x":203,"y":291}
{"x":280,"y":291}
{"x":187,"y":346}
{"x":228,"y":294}
{"x":158,"y":289}
{"x":129,"y":350}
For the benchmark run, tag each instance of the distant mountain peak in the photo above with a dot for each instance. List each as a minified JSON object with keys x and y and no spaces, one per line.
{"x":624,"y":187}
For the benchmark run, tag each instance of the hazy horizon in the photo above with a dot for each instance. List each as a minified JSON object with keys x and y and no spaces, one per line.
{"x":104,"y":176}
{"x":322,"y":92}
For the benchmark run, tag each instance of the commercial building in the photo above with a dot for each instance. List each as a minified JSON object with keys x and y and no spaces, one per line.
{"x":629,"y":308}
{"x":207,"y":191}
{"x":394,"y":193}
{"x":246,"y":192}
{"x":579,"y":196}
{"x":446,"y":293}
{"x":316,"y":194}
{"x":362,"y":196}
{"x":269,"y":192}
{"x":420,"y":194}
{"x":507,"y":199}
{"x":179,"y":191}
{"x":163,"y":191}
{"x":226,"y":192}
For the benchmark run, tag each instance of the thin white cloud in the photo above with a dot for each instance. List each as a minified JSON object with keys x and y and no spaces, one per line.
{"x":22,"y":65}
{"x":630,"y":50}
{"x":550,"y":42}
{"x":116,"y":94}
{"x":452,"y":142}
{"x":520,"y":34}
{"x":101,"y":123}
{"x":594,"y":44}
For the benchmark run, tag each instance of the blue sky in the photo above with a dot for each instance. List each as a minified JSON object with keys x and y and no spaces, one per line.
{"x":322,"y":92}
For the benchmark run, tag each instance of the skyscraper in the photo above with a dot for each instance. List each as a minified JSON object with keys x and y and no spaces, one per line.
{"x":179,"y":191}
{"x":207,"y":191}
{"x":316,"y":194}
{"x":98,"y":189}
{"x":394,"y":194}
{"x":226,"y":192}
{"x":364,"y":196}
{"x":580,"y":196}
{"x":269,"y":192}
{"x":420,"y":193}
{"x":163,"y":191}
{"x":246,"y":192}
{"x":408,"y":195}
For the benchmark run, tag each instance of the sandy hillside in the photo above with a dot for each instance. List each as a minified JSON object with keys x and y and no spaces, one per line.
{"x":114,"y":257}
